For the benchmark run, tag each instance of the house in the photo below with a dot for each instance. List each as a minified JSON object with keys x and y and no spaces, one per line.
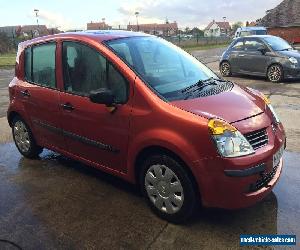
{"x":11,"y":31}
{"x":34,"y":30}
{"x":284,"y":20}
{"x":216,"y":29}
{"x":160,"y":29}
{"x":98,"y":26}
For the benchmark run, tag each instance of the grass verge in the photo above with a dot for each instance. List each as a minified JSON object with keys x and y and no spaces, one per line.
{"x":7,"y":60}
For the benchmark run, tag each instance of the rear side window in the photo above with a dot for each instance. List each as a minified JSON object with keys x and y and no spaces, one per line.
{"x":85,"y":70}
{"x":40,"y":64}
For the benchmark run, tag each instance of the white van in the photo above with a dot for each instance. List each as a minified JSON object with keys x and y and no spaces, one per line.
{"x":249,"y":31}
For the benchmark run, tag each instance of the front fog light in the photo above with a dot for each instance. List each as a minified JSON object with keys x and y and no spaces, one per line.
{"x":229,"y":141}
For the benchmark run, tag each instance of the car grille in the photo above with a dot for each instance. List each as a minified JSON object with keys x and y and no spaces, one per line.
{"x":258,"y":138}
{"x":264,"y":180}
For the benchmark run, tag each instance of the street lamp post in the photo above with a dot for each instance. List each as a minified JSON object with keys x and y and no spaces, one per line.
{"x":137,"y":22}
{"x":37,"y":16}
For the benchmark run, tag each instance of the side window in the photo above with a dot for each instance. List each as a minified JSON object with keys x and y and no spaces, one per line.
{"x":252,"y":45}
{"x":238,"y":46}
{"x":85,"y":70}
{"x":40,"y":64}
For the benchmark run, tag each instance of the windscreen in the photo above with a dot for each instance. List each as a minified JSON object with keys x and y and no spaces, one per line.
{"x":277,"y":43}
{"x":165,"y":67}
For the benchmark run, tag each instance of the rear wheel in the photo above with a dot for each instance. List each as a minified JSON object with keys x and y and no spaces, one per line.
{"x":24,"y":139}
{"x":168,"y":188}
{"x":225,"y":69}
{"x":275,"y":73}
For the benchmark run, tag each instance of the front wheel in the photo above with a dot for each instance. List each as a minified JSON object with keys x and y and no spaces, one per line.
{"x":168,"y":188}
{"x":275,"y":73}
{"x":24,"y":139}
{"x":225,"y":69}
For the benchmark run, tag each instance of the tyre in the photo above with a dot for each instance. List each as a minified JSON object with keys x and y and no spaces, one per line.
{"x":168,"y":188}
{"x":24,"y":140}
{"x":275,"y":73}
{"x":225,"y":69}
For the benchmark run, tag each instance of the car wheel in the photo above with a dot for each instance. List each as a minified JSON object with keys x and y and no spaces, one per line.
{"x":225,"y":69}
{"x":168,"y":188}
{"x":24,"y":140}
{"x":275,"y":73}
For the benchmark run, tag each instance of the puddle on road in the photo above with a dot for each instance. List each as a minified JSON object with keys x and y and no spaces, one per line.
{"x":62,"y":196}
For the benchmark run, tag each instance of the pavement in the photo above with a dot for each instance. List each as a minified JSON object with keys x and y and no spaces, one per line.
{"x":58,"y":203}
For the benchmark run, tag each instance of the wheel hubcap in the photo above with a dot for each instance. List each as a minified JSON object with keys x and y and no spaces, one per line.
{"x":274,"y":73}
{"x":21,"y":136}
{"x":164,"y":189}
{"x":225,"y":69}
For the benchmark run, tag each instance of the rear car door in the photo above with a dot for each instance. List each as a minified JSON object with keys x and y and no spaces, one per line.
{"x":94,"y":132}
{"x":254,"y":61}
{"x":40,"y":95}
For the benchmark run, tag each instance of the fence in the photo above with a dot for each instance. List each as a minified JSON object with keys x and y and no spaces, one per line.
{"x":191,"y":41}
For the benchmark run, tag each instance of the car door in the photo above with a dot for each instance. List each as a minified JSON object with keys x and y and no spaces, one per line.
{"x":236,"y":54}
{"x":254,"y":61}
{"x":94,"y":132}
{"x":40,"y":95}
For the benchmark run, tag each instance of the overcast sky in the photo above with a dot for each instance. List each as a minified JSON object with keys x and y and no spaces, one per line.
{"x":71,"y":14}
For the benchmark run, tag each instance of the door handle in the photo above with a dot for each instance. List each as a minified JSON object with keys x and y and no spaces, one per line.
{"x":67,"y":106}
{"x":241,"y":55}
{"x":25,"y":93}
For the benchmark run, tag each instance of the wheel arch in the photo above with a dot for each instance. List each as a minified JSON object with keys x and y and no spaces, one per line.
{"x":155,"y":149}
{"x":11,"y":116}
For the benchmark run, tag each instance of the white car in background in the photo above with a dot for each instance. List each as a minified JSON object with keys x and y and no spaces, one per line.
{"x":250,"y":31}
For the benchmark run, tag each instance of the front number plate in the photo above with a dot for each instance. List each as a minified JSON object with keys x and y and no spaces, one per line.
{"x":277,"y":157}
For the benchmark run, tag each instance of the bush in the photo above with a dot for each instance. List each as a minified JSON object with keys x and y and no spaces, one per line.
{"x":6,"y":43}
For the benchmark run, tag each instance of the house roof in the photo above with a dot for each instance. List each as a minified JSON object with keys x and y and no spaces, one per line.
{"x":286,"y":14}
{"x":154,"y":26}
{"x":222,"y":25}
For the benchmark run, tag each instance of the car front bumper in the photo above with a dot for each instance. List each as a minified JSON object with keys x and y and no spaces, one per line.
{"x":292,"y":72}
{"x":241,"y":182}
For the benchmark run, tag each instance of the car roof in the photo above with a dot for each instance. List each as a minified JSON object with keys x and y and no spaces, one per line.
{"x":96,"y":35}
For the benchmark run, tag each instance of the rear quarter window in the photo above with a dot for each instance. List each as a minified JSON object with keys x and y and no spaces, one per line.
{"x":40,"y":64}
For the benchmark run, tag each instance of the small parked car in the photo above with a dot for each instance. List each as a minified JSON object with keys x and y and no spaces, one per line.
{"x":267,"y":56}
{"x":250,"y":31}
{"x":140,"y":108}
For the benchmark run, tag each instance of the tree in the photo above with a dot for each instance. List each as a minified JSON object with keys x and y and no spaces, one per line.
{"x":237,"y":25}
{"x":6,"y":43}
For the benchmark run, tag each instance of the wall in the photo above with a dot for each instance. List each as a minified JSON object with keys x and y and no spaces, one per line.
{"x":291,"y":34}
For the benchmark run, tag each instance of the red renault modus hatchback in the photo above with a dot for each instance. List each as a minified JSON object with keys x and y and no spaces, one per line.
{"x":140,"y":108}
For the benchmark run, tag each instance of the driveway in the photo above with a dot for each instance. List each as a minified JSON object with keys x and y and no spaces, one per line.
{"x":57,"y":203}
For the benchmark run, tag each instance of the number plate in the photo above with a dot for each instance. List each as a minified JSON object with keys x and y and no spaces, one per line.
{"x":277,"y":157}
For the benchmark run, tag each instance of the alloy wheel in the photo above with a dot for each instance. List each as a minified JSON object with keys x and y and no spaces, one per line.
{"x":225,"y":69}
{"x":164,"y":189}
{"x":275,"y":73}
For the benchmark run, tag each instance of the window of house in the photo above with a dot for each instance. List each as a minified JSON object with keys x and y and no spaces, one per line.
{"x":40,"y":64}
{"x":86,"y":70}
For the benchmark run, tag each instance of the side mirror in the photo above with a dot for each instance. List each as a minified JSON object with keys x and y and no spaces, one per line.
{"x":102,"y":96}
{"x":262,"y":49}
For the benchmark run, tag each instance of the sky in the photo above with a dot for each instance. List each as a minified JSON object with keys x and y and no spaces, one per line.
{"x":74,"y":14}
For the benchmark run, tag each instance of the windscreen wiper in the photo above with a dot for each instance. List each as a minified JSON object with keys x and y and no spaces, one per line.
{"x":202,"y":84}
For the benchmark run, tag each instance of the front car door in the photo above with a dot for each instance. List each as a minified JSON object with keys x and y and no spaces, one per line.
{"x":236,"y":55}
{"x":254,"y":61}
{"x":94,"y":132}
{"x":41,"y":96}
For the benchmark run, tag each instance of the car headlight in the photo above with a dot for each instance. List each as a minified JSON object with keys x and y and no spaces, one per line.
{"x":229,"y":141}
{"x":268,"y":104}
{"x":293,"y":60}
